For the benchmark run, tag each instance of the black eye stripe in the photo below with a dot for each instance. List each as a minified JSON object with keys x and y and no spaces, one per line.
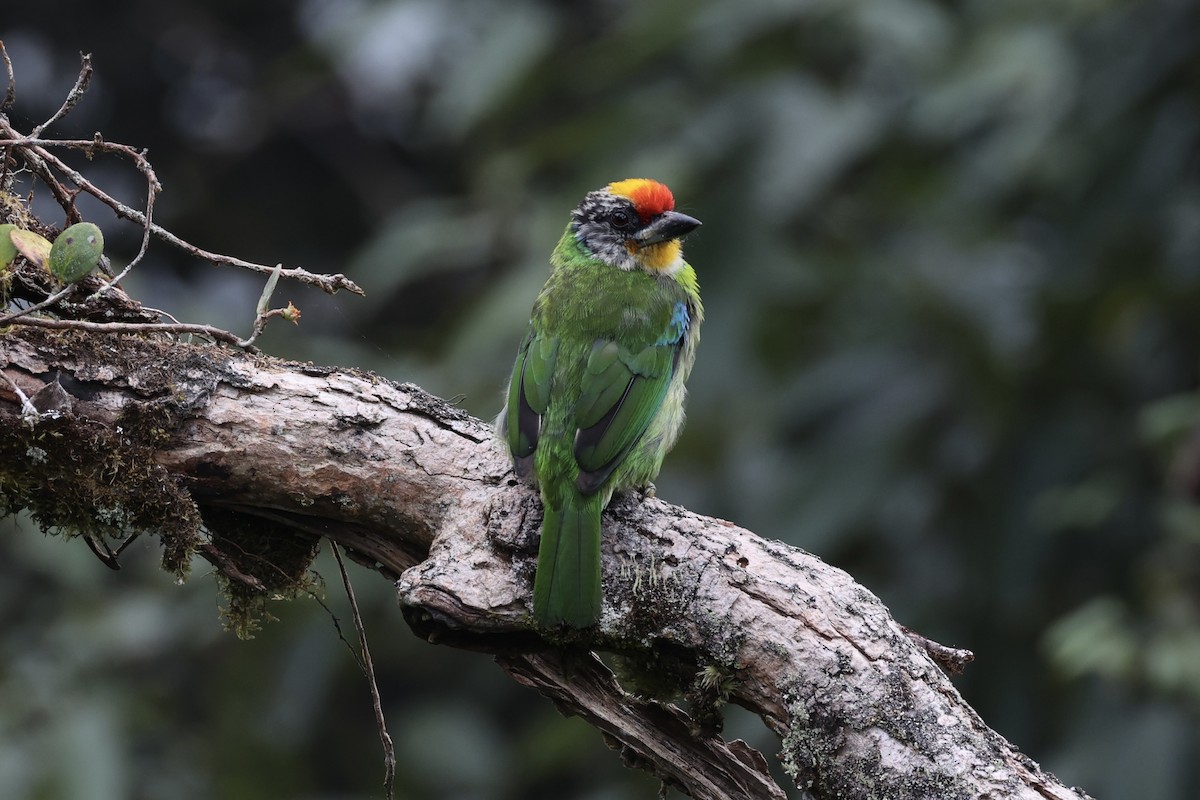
{"x":607,"y":212}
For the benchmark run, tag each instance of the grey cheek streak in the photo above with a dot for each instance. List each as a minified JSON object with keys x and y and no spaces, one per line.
{"x":605,"y":246}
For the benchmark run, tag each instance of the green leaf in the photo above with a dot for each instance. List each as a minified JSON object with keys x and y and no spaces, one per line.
{"x":76,"y":252}
{"x":8,"y":250}
{"x":35,"y":248}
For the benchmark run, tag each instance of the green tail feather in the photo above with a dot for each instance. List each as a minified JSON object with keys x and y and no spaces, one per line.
{"x":566,"y":588}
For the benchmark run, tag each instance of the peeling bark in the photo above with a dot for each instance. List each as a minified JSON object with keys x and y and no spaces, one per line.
{"x":423,"y":493}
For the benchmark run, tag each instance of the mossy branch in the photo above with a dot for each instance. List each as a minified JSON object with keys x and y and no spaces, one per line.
{"x":202,"y":445}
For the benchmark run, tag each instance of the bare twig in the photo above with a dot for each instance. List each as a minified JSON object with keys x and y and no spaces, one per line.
{"x":49,"y":301}
{"x":40,"y":159}
{"x":337,"y":627}
{"x":73,"y":97}
{"x":109,"y":557}
{"x":214,"y":333}
{"x":67,"y":199}
{"x":64,"y":196}
{"x":161,"y":313}
{"x":10,"y":94}
{"x":90,"y":146}
{"x":153,"y":187}
{"x":213,"y":555}
{"x":37,"y":148}
{"x":389,"y":751}
{"x":34,"y":151}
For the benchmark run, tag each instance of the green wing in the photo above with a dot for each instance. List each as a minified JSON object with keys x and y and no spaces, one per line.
{"x":620,"y":394}
{"x":529,"y":397}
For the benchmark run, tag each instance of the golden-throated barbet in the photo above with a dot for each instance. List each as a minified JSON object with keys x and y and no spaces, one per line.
{"x":597,"y":391}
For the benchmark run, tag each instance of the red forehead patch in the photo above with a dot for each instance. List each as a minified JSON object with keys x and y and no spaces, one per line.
{"x":650,"y":198}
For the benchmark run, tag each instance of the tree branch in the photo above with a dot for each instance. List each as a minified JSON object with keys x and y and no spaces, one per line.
{"x":414,"y":487}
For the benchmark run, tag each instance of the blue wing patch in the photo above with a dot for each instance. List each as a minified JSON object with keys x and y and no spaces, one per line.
{"x":677,"y":327}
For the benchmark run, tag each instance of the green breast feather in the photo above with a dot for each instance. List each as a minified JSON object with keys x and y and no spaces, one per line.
{"x":594,"y":396}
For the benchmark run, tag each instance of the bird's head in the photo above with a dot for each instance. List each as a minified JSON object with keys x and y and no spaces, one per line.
{"x":632,"y":224}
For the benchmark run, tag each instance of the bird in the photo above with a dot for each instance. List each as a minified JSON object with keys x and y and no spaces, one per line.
{"x":597,"y":390}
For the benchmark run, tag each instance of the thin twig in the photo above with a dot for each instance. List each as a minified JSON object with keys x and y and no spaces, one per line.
{"x":44,"y":164}
{"x":64,"y":196}
{"x":135,"y":327}
{"x":40,"y":159}
{"x":337,"y":627}
{"x":10,"y":94}
{"x":389,"y":751}
{"x":90,"y":146}
{"x":49,"y":301}
{"x":66,"y":199}
{"x":109,"y":557}
{"x":162,"y":313}
{"x":213,"y":555}
{"x":96,"y":143}
{"x":73,"y":97}
{"x":327,"y":283}
{"x":153,"y":187}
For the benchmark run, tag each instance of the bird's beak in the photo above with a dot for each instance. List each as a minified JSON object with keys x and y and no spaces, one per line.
{"x":665,"y":227}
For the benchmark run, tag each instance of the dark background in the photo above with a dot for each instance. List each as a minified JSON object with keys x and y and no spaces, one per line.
{"x":951,"y":263}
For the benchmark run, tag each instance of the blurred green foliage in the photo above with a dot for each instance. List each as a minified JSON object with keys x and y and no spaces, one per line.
{"x":951,"y":263}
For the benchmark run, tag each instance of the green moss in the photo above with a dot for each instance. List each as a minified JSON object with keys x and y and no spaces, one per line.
{"x":76,"y":477}
{"x":276,"y":556}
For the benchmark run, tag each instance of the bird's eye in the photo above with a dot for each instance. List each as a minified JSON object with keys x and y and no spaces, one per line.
{"x":622,"y":219}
